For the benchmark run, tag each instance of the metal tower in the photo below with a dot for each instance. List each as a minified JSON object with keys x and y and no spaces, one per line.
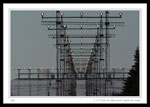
{"x":92,"y":62}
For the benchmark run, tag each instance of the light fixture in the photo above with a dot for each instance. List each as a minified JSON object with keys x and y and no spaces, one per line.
{"x":97,"y":26}
{"x":81,"y":14}
{"x":81,"y":26}
{"x":52,"y":68}
{"x":42,"y":14}
{"x":48,"y":27}
{"x":69,"y":41}
{"x":101,"y":14}
{"x":65,"y":26}
{"x":62,"y":14}
{"x":120,"y":14}
{"x":114,"y":26}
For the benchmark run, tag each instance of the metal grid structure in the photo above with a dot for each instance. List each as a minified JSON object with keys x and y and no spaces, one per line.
{"x":99,"y":56}
{"x":42,"y":82}
{"x":78,"y":61}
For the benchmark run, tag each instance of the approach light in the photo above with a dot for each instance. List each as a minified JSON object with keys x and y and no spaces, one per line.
{"x":114,"y":26}
{"x":69,"y":41}
{"x":65,"y":26}
{"x":97,"y":26}
{"x":101,"y":14}
{"x":120,"y":14}
{"x":81,"y":14}
{"x":81,"y":26}
{"x":48,"y":27}
{"x":42,"y":14}
{"x":62,"y":14}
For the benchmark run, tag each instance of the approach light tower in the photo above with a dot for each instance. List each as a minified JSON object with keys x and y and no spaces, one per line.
{"x":98,"y":60}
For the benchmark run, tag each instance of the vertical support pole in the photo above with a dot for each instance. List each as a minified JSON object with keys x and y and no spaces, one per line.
{"x":113,"y":73}
{"x":123,"y":72}
{"x":19,"y":73}
{"x":18,"y":82}
{"x":57,"y":49}
{"x":29,"y":77}
{"x":29,"y":73}
{"x":106,"y":49}
{"x":38,"y":70}
{"x":47,"y":74}
{"x":96,"y":58}
{"x":37,"y":87}
{"x":100,"y":41}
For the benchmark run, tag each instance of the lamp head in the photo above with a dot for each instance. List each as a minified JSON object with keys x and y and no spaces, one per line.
{"x":81,"y":14}
{"x":97,"y":26}
{"x":65,"y":26}
{"x":114,"y":26}
{"x":42,"y":14}
{"x":101,"y":14}
{"x":48,"y":27}
{"x":62,"y":14}
{"x":120,"y":14}
{"x":81,"y":26}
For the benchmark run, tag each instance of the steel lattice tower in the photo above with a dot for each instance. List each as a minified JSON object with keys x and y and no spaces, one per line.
{"x":98,"y":63}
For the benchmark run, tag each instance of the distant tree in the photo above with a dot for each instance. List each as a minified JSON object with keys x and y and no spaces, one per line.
{"x":131,"y":85}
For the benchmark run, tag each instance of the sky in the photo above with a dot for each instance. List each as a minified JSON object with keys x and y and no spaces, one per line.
{"x":31,"y":47}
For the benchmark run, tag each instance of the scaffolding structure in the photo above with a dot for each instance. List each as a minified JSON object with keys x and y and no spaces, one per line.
{"x":98,"y":62}
{"x":82,"y":61}
{"x":42,"y":82}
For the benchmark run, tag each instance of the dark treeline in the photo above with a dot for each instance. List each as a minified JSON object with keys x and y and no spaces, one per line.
{"x":131,"y":85}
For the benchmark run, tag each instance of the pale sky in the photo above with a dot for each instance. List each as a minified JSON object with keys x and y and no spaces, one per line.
{"x":31,"y":47}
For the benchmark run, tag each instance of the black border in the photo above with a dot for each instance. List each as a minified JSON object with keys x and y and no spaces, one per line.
{"x":45,"y":1}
